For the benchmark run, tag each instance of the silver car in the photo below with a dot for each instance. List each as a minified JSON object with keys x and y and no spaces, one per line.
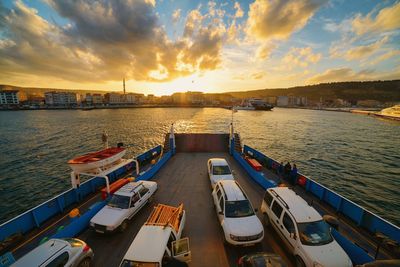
{"x":58,"y":252}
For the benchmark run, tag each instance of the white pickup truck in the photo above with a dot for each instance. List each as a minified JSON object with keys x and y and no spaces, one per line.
{"x":158,"y":242}
{"x":124,"y":204}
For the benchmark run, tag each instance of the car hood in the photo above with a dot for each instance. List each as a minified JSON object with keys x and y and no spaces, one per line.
{"x":109,"y":216}
{"x":244,"y":226}
{"x":329,"y":255}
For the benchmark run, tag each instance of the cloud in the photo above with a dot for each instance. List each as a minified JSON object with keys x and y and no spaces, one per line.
{"x":279,"y":19}
{"x":341,"y":74}
{"x":239,"y":11}
{"x":265,"y":50}
{"x":300,"y":56}
{"x":388,"y":55}
{"x":176,"y":15}
{"x":358,"y":52}
{"x":258,"y":75}
{"x":104,"y":41}
{"x":387,"y":19}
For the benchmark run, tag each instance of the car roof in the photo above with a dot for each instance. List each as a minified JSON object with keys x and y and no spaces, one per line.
{"x":218,"y":162}
{"x":149,"y":244}
{"x":232,"y":190}
{"x":40,"y":254}
{"x":298,"y":207}
{"x":129,"y":189}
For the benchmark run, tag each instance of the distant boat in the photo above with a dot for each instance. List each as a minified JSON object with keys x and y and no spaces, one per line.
{"x":95,"y":160}
{"x":254,"y":104}
{"x":390,"y":113}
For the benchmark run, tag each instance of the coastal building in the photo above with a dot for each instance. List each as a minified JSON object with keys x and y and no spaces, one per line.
{"x":60,"y":98}
{"x":114,"y":98}
{"x":271,"y":100}
{"x":282,"y":101}
{"x":165,"y":99}
{"x":97,"y":99}
{"x":9,"y":97}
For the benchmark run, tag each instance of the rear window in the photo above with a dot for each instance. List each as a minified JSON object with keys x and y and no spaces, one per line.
{"x":128,"y":263}
{"x":221,"y":170}
{"x":277,"y":209}
{"x":59,"y":261}
{"x":268,"y":198}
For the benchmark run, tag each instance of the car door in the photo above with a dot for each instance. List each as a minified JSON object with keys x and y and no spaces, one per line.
{"x":289,"y":231}
{"x":136,"y":203}
{"x":144,"y":193}
{"x":275,"y":215}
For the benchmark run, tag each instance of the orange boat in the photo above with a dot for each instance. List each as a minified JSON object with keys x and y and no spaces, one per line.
{"x":96,"y":159}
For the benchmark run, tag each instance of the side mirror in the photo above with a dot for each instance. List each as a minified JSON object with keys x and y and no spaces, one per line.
{"x":293,"y":236}
{"x":255,"y":210}
{"x":221,"y":213}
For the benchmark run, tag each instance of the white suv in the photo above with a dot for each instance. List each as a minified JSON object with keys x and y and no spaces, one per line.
{"x":218,"y":169}
{"x":236,"y":215}
{"x":302,"y":229}
{"x":124,"y":204}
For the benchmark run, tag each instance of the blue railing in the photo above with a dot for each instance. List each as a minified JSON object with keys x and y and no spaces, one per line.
{"x":360,"y":216}
{"x":155,"y":168}
{"x":36,"y":216}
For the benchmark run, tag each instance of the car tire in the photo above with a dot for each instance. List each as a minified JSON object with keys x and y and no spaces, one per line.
{"x":266,"y":220}
{"x":85,"y":263}
{"x":299,"y":262}
{"x":123,"y":226}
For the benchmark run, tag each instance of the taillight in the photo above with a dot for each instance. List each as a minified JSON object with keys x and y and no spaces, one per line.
{"x":86,"y":248}
{"x":240,"y":261}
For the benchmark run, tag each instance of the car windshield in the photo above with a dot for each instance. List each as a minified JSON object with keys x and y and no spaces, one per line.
{"x":221,"y":170}
{"x":314,"y":233}
{"x":121,"y":202}
{"x":241,"y":208}
{"x":128,"y":263}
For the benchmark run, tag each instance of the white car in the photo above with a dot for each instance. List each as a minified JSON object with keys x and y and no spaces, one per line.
{"x":302,"y":229}
{"x":58,"y":252}
{"x":236,"y":215}
{"x":124,"y":204}
{"x":218,"y":169}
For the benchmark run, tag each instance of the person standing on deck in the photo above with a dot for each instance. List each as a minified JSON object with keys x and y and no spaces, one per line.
{"x":287,"y":170}
{"x":293,"y":175}
{"x":280,"y":170}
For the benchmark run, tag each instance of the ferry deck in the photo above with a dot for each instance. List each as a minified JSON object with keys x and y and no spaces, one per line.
{"x":184,"y":179}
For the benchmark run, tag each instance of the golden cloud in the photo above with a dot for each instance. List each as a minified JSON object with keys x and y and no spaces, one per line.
{"x":387,"y":19}
{"x":341,"y":74}
{"x":358,"y":52}
{"x":176,"y":15}
{"x":278,"y":19}
{"x":300,"y":56}
{"x":239,"y":11}
{"x":105,"y":42}
{"x":265,"y":50}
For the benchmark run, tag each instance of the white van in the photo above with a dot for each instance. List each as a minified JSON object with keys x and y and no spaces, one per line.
{"x":302,"y":229}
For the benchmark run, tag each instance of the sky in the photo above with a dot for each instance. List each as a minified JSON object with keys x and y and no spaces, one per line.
{"x":166,"y":46}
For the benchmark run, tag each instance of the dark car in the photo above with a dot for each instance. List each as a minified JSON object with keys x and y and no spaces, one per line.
{"x":261,"y":259}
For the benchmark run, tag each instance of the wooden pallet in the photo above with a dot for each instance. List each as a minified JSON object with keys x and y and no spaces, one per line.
{"x":164,"y":215}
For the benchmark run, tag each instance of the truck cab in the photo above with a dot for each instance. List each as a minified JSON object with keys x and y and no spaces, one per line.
{"x":158,"y":242}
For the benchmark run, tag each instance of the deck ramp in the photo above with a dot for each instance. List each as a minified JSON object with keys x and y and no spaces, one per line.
{"x":202,"y":142}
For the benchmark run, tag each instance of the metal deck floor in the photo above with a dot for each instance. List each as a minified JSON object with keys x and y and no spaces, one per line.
{"x":184,"y":179}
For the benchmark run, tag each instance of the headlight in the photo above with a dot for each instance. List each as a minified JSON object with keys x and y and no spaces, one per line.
{"x":317,"y":264}
{"x":233,"y":237}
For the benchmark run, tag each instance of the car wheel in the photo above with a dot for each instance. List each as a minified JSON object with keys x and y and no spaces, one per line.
{"x":266,"y":219}
{"x":300,"y":262}
{"x":123,"y":226}
{"x":85,"y":263}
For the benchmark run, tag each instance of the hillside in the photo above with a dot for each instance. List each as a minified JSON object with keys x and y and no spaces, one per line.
{"x":377,"y":90}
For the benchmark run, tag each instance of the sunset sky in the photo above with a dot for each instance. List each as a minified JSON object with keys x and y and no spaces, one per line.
{"x":165,"y":46}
